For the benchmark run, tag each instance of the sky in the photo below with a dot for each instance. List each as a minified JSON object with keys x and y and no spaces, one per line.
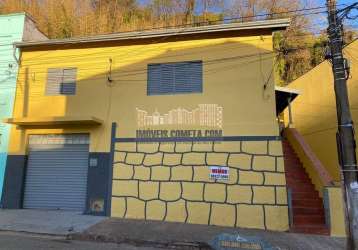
{"x":321,"y":2}
{"x":323,"y":18}
{"x":319,"y":21}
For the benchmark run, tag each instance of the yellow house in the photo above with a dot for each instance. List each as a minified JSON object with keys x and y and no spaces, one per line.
{"x":172,"y":125}
{"x":314,"y":122}
{"x":314,"y":111}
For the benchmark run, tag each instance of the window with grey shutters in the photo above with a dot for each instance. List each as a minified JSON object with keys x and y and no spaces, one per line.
{"x":175,"y":78}
{"x":61,"y":81}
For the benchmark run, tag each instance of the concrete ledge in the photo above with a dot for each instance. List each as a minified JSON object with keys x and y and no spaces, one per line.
{"x":54,"y":120}
{"x":334,"y":206}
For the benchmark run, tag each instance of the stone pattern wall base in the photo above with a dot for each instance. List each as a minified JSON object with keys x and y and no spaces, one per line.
{"x":170,"y":181}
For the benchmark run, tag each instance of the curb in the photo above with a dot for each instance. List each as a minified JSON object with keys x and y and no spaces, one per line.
{"x":34,"y":234}
{"x":138,"y":242}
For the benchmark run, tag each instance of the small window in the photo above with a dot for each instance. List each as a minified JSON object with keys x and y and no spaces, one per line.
{"x":61,"y":81}
{"x":175,"y":78}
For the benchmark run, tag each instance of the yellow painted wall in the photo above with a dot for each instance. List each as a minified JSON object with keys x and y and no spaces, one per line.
{"x":235,"y":70}
{"x":314,"y":110}
{"x":336,"y":211}
{"x":236,"y":84}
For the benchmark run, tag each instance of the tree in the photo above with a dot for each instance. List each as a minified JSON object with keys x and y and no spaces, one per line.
{"x":69,"y":18}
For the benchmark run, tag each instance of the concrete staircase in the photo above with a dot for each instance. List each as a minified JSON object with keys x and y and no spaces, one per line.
{"x":307,"y":206}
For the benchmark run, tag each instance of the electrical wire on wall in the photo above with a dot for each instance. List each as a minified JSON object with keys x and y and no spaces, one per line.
{"x":233,"y":19}
{"x":266,"y":95}
{"x":143,"y":70}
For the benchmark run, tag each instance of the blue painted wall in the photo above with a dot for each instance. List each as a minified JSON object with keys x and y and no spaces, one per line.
{"x":11,"y":30}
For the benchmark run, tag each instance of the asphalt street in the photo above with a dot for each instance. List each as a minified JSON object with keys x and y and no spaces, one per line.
{"x":16,"y":241}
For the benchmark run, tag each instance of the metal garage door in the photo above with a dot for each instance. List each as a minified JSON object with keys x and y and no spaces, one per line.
{"x":56,"y":175}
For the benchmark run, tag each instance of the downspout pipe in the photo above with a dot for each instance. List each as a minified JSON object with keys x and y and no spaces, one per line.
{"x":290,"y":119}
{"x":14,"y":55}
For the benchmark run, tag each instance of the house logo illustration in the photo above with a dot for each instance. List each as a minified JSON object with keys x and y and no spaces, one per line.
{"x":208,"y":115}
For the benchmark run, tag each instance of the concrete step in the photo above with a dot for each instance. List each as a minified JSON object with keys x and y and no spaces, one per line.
{"x":310,"y":229}
{"x":308,"y":211}
{"x":305,"y":195}
{"x":296,"y":179}
{"x":308,"y":219}
{"x":302,"y":188}
{"x":297,"y":183}
{"x":297,"y":175}
{"x":295,"y":169}
{"x":292,"y":158}
{"x":296,"y":166}
{"x":293,"y":165}
{"x":314,"y":203}
{"x":307,"y":206}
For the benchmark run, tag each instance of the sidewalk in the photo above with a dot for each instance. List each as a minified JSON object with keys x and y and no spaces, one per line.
{"x":188,"y":236}
{"x":50,"y":222}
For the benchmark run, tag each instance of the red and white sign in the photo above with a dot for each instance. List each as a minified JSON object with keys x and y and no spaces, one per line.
{"x":219,"y":173}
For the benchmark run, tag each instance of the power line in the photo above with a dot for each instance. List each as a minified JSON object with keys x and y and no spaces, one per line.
{"x":236,"y":18}
{"x":81,"y":56}
{"x":39,"y":92}
{"x":82,"y":69}
{"x":206,"y":62}
{"x":104,"y":57}
{"x":133,"y":49}
{"x":109,"y":53}
{"x":122,"y":54}
{"x":136,"y":71}
{"x":88,"y":54}
{"x":103,"y":77}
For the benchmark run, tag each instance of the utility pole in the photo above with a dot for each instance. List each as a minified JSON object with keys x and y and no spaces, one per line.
{"x":345,"y":135}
